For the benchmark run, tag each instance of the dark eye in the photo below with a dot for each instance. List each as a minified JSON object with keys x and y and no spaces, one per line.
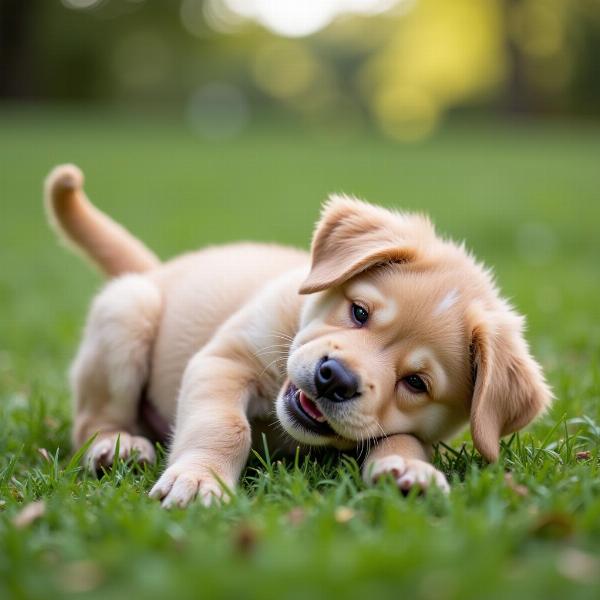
{"x":415,"y":384}
{"x":360,"y":314}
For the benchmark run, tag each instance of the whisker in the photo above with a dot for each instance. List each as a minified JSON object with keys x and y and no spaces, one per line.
{"x":280,"y":361}
{"x":383,"y":433}
{"x":282,"y":335}
{"x":267,"y":352}
{"x":361,"y":447}
{"x":273,"y":348}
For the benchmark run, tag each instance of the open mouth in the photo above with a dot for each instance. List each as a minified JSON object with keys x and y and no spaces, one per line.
{"x":305,"y":412}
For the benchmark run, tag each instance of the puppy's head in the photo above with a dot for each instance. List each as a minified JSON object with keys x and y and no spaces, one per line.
{"x":403,"y":333}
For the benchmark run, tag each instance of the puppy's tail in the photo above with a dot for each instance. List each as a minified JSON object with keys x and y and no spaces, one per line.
{"x":78,"y":222}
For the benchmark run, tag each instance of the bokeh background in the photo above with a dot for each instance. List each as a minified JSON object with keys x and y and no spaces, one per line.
{"x":401,"y":66}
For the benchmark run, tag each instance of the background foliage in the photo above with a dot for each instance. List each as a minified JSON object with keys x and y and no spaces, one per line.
{"x":398,"y":64}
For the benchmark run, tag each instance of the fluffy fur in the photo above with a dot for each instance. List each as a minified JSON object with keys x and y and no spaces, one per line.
{"x":220,"y":339}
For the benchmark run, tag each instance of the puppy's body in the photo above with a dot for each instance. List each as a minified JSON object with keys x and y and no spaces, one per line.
{"x":202,"y":290}
{"x":396,"y":340}
{"x":164,"y":317}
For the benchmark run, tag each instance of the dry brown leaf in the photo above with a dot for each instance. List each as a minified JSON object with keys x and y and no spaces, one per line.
{"x":30,"y":513}
{"x":583,"y":455}
{"x":517,"y":488}
{"x":554,"y":525}
{"x":577,"y":565}
{"x":81,"y":576}
{"x":51,"y":422}
{"x":296,"y":516}
{"x":245,"y":539}
{"x":343,"y":514}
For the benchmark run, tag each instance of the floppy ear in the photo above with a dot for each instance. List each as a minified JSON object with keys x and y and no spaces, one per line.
{"x":509,"y":387}
{"x":353,"y":236}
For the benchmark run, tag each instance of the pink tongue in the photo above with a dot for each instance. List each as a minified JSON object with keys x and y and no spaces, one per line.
{"x":309,"y":407}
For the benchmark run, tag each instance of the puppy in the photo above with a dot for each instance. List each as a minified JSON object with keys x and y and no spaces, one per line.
{"x":386,"y":337}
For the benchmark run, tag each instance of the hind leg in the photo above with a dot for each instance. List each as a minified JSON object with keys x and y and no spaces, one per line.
{"x":111,"y":368}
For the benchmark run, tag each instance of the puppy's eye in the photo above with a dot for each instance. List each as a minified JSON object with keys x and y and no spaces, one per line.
{"x":415,"y":384}
{"x":360,"y":314}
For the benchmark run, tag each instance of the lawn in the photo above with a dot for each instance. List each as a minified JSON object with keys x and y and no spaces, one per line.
{"x":525,"y":196}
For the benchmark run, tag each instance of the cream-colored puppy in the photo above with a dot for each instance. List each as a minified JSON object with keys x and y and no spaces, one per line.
{"x":387,"y":337}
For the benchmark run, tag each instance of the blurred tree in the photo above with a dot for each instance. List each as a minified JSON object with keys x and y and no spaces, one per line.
{"x":405,"y":66}
{"x":441,"y":54}
{"x":16,"y":31}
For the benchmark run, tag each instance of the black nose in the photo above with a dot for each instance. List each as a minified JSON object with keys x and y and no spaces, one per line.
{"x":335,"y":381}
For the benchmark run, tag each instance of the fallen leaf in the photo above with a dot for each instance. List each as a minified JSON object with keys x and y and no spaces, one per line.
{"x":245,"y":539}
{"x":343,"y":514}
{"x":577,"y":565}
{"x":554,"y":525}
{"x":296,"y":515}
{"x":81,"y":576}
{"x":583,"y":455}
{"x":30,"y":513}
{"x":51,"y":423}
{"x":517,"y":488}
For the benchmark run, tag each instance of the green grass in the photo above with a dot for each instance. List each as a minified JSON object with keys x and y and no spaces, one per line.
{"x":524,"y":195}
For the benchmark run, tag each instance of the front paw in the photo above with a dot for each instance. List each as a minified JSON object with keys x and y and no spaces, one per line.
{"x":180,"y":484}
{"x":407,"y":473}
{"x":102,"y":452}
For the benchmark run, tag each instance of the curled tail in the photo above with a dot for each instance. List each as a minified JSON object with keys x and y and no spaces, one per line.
{"x":109,"y":245}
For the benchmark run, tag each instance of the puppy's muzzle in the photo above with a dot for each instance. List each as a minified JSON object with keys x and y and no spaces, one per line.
{"x":335,"y":381}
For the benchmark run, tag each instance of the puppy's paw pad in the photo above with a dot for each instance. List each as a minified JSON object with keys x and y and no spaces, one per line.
{"x":177,"y":488}
{"x":422,"y":475}
{"x":390,"y":465}
{"x":210,"y":492}
{"x":102,"y":452}
{"x":142,"y":450}
{"x":410,"y":473}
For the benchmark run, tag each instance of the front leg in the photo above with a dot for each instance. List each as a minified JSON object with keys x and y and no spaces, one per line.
{"x":406,"y":459}
{"x":212,"y":434}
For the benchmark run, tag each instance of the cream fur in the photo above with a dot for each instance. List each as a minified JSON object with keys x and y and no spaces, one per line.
{"x":217,"y":337}
{"x":112,"y":366}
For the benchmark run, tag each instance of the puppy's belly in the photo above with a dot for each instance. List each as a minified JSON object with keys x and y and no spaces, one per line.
{"x":200,"y":292}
